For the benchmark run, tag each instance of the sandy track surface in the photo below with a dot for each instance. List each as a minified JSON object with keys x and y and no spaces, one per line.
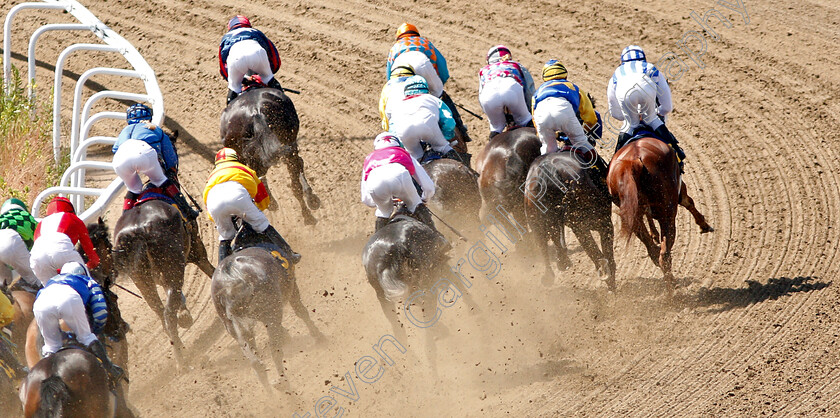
{"x":758,"y":122}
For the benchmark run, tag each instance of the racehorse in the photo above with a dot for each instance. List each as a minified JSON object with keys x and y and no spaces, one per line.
{"x":456,"y":191}
{"x":262,"y":126}
{"x":560,"y":192}
{"x":503,"y":168}
{"x":404,"y":256}
{"x":252,"y":285}
{"x":152,"y":245}
{"x":644,"y":178}
{"x":69,"y":383}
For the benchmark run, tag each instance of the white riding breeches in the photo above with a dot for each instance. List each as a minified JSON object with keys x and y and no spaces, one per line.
{"x":229,"y":199}
{"x":49,"y":253}
{"x":554,"y":115}
{"x":387,"y":182}
{"x":244,"y":57}
{"x":134,"y":157}
{"x":636,"y":95}
{"x":498,"y":94}
{"x":422,"y":67}
{"x":13,"y":253}
{"x":56,"y":302}
{"x":416,"y":119}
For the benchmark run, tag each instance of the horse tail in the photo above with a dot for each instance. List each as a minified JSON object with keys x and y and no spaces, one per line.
{"x":629,"y":196}
{"x":54,"y":397}
{"x":391,"y":284}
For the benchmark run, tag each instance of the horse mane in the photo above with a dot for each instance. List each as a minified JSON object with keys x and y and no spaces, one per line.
{"x":54,"y":397}
{"x":99,"y":231}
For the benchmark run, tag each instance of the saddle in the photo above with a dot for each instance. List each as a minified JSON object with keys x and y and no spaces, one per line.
{"x":246,"y":237}
{"x":151,"y":192}
{"x":252,"y":82}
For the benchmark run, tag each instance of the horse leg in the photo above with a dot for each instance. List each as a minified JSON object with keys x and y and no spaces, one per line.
{"x":687,"y":202}
{"x":299,"y":186}
{"x":245,"y":337}
{"x":172,"y":313}
{"x":23,"y":302}
{"x":302,"y":313}
{"x":148,"y":290}
{"x":277,"y":337}
{"x":652,"y":225}
{"x":669,"y":233}
{"x":651,"y":246}
{"x":606,"y":232}
{"x":198,"y":253}
{"x":584,"y":236}
{"x":388,"y":309}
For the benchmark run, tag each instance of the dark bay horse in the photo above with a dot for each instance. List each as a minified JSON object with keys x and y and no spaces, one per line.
{"x":252,"y":285}
{"x":69,"y":383}
{"x":152,"y":245}
{"x":403,"y":257}
{"x":559,"y":193}
{"x":503,"y":168}
{"x":644,"y":179}
{"x":262,"y":126}
{"x":456,"y":198}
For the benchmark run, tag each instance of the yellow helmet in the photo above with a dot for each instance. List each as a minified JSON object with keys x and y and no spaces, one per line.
{"x":404,"y":70}
{"x":225,"y":155}
{"x":407,"y":29}
{"x":554,"y":70}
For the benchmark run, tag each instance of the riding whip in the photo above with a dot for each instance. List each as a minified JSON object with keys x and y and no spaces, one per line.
{"x":291,"y":91}
{"x":463,"y":238}
{"x":184,"y":191}
{"x":135,"y":294}
{"x":470,"y":112}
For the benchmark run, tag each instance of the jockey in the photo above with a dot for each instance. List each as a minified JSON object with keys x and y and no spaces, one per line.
{"x":505,"y":85}
{"x":245,"y":50}
{"x":145,"y":148}
{"x":55,"y":240}
{"x":421,"y":116}
{"x":233,"y":189}
{"x":426,"y":61}
{"x":17,"y":231}
{"x":393,"y":91}
{"x":76,"y":298}
{"x":388,"y":173}
{"x":638,"y":93}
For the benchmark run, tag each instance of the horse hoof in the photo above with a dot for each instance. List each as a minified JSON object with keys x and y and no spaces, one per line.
{"x":313,"y":201}
{"x":185,"y":320}
{"x":708,"y":228}
{"x":308,"y":219}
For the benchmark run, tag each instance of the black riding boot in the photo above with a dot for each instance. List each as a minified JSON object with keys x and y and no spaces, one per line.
{"x":452,"y":154}
{"x":599,"y":172}
{"x":231,"y":95}
{"x":493,"y":134}
{"x":171,"y":190}
{"x":224,"y":250}
{"x":459,"y":123}
{"x":279,"y":241}
{"x":274,"y":84}
{"x":423,"y":214}
{"x":530,"y":124}
{"x":622,"y":140}
{"x":115,"y":372}
{"x":8,"y":357}
{"x":666,"y":135}
{"x":380,"y":223}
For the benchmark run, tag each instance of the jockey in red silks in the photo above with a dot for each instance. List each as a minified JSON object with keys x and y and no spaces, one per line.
{"x":56,"y":238}
{"x":244,"y":49}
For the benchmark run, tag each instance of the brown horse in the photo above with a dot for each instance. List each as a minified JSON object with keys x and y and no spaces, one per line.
{"x":644,"y":179}
{"x":69,"y":383}
{"x":503,"y":168}
{"x":252,"y":285}
{"x":262,"y":126}
{"x":559,"y":193}
{"x":152,"y":245}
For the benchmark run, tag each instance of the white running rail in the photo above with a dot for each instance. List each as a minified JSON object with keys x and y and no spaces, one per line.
{"x":73,"y":181}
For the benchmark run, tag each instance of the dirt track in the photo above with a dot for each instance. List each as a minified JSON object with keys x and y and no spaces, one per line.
{"x":759,"y":125}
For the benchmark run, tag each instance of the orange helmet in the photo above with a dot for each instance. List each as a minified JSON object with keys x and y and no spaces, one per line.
{"x":225,"y":155}
{"x":407,"y":29}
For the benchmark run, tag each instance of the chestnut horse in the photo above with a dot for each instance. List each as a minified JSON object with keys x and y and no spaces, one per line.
{"x":69,"y":383}
{"x":644,"y":179}
{"x":262,"y":126}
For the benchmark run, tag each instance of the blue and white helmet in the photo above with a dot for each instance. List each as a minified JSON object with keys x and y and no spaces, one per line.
{"x":633,"y":53}
{"x":386,"y":140}
{"x":138,"y":113}
{"x":75,"y":268}
{"x":416,"y":85}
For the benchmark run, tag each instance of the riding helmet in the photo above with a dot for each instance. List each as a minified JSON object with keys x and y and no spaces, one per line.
{"x":404,"y":70}
{"x":633,"y":53}
{"x":554,"y":70}
{"x":225,"y":155}
{"x":138,"y":113}
{"x":237,"y":22}
{"x":60,"y":204}
{"x":498,"y":53}
{"x":407,"y":29}
{"x":11,"y":204}
{"x":387,"y":140}
{"x":75,"y":268}
{"x":416,"y":85}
